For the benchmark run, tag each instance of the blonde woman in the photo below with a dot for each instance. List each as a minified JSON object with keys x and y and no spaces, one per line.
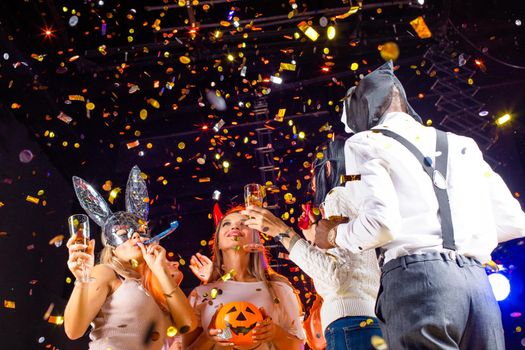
{"x":347,"y":282}
{"x":133,"y":296}
{"x":252,"y":281}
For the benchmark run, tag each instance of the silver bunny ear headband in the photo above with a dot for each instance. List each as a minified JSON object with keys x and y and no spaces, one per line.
{"x":117,"y":227}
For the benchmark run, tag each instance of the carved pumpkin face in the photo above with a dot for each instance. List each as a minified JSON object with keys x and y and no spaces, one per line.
{"x":240,"y":318}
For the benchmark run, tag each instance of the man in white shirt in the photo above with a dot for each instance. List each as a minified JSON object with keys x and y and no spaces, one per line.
{"x":435,"y":219}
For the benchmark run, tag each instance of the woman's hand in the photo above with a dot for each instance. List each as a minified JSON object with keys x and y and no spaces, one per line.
{"x":266,"y":330}
{"x":81,"y":258}
{"x":214,"y":334}
{"x":155,"y":257}
{"x":201,"y":266}
{"x":175,"y":273}
{"x":264,"y":221}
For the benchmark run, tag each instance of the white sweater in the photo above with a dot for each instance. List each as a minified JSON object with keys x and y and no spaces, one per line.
{"x":347,"y":282}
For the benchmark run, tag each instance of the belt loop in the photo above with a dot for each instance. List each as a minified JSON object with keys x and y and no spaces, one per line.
{"x":403,"y":262}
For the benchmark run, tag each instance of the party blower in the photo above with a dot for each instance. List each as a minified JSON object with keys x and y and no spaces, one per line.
{"x":173,"y":226}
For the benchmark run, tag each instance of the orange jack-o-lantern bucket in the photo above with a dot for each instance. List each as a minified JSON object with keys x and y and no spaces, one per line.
{"x":237,"y":321}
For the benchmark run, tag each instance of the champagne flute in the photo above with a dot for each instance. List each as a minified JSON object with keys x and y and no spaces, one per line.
{"x":79,"y":228}
{"x":254,"y":195}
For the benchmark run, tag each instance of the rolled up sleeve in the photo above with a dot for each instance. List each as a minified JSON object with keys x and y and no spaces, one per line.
{"x":378,"y":217}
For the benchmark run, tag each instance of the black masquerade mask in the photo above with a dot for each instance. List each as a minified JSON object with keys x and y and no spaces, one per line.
{"x":364,"y":104}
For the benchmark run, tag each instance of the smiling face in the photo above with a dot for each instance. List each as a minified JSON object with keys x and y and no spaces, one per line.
{"x":233,"y":232}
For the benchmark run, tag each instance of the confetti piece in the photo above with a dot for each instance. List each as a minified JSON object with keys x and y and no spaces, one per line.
{"x":218,"y":126}
{"x":228,"y":275}
{"x":280,"y":115}
{"x":154,"y":103}
{"x":133,"y":144}
{"x":76,"y":98}
{"x":32,"y":199}
{"x":184,"y":59}
{"x":171,"y":331}
{"x":134,"y":263}
{"x":287,"y":66}
{"x":9,"y":304}
{"x":113,"y":194}
{"x":421,"y":27}
{"x":310,"y":32}
{"x":37,"y":57}
{"x":48,"y":312}
{"x":378,"y":343}
{"x":351,"y":11}
{"x":57,"y":240}
{"x":58,"y":320}
{"x":389,"y":51}
{"x":64,"y":117}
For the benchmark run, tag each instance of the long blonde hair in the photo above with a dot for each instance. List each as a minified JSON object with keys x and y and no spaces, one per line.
{"x":257,"y":264}
{"x":150,"y":282}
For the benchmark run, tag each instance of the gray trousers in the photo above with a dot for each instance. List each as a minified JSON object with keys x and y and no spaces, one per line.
{"x":433,"y":301}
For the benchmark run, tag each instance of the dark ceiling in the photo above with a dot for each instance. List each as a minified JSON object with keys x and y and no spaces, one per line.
{"x":143,"y":82}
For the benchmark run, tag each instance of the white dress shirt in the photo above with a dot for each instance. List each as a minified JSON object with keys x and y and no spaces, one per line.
{"x":396,"y":203}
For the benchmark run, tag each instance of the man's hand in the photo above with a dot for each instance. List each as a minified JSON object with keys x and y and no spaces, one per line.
{"x":321,"y":233}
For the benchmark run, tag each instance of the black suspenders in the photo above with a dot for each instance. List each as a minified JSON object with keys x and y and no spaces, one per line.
{"x":438,"y":175}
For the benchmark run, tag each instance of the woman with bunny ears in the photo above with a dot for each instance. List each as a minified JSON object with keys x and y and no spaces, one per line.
{"x":133,"y":296}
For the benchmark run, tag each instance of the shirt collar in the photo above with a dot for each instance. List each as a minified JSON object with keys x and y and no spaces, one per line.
{"x":395,"y":117}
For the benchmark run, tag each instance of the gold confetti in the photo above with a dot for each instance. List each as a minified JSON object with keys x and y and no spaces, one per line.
{"x":113,"y":194}
{"x":9,"y":304}
{"x":228,"y":275}
{"x":133,"y":144}
{"x":171,"y":331}
{"x":287,"y":66}
{"x":310,"y":32}
{"x":378,"y":343}
{"x":76,"y":98}
{"x":421,"y":27}
{"x":32,"y":199}
{"x":134,"y":263}
{"x":389,"y":51}
{"x":214,"y":293}
{"x":58,"y":320}
{"x":184,"y":59}
{"x":154,"y":103}
{"x":351,"y":11}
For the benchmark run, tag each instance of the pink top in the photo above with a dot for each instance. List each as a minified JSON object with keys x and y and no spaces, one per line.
{"x":129,"y":319}
{"x":287,"y":314}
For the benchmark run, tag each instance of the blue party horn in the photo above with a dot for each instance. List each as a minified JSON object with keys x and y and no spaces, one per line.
{"x":173,"y":226}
